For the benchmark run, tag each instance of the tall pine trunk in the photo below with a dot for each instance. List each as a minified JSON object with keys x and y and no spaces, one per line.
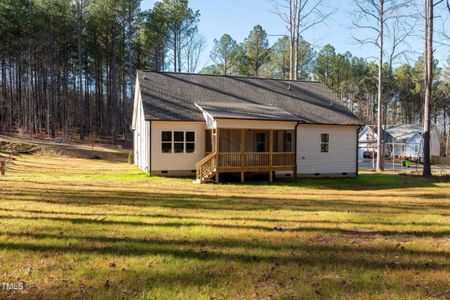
{"x":81,"y":104}
{"x":380,"y":152}
{"x":428,"y":80}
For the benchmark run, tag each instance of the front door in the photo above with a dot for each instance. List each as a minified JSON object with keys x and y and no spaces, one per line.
{"x":261,"y":142}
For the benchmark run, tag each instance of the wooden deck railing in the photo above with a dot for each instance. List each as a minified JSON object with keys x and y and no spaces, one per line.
{"x":206,"y":166}
{"x":255,"y":159}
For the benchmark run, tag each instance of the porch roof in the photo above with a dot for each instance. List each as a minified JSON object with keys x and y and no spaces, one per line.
{"x":247,"y":111}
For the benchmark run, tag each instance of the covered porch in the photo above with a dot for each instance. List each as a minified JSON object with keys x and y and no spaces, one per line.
{"x":247,"y":146}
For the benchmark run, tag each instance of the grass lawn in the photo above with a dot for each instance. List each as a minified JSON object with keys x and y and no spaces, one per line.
{"x":97,"y":229}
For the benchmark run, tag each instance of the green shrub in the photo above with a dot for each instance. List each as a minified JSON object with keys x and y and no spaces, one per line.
{"x":130,"y":157}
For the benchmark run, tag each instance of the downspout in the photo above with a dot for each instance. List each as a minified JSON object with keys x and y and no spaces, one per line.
{"x":357,"y":150}
{"x":150,"y":148}
{"x":295,"y":151}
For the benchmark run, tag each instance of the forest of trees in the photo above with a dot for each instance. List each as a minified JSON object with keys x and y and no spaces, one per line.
{"x":67,"y":67}
{"x":352,"y":78}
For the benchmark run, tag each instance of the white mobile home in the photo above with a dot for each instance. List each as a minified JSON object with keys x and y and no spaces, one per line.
{"x":189,"y":124}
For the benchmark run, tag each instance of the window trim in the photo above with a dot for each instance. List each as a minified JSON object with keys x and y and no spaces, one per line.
{"x":327,"y":142}
{"x":173,"y":142}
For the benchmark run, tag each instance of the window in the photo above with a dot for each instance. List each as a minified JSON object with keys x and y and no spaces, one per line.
{"x":324,"y":145}
{"x":178,"y":142}
{"x":178,"y":145}
{"x":416,"y":148}
{"x":190,"y":142}
{"x":288,"y":142}
{"x":166,"y":142}
{"x":260,"y":142}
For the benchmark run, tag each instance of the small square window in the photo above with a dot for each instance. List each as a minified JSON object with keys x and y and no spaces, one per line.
{"x":166,"y":136}
{"x":325,"y":139}
{"x":178,"y":136}
{"x":166,"y":147}
{"x":178,"y":147}
{"x":190,"y":147}
{"x":190,"y":136}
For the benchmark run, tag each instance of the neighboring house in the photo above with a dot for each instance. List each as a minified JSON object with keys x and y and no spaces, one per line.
{"x":406,"y":139}
{"x":187,"y":124}
{"x":368,"y":141}
{"x":409,"y":140}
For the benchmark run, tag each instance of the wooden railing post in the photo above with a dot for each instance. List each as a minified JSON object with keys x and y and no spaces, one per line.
{"x":242,"y":155}
{"x":3,"y":167}
{"x":270,"y":155}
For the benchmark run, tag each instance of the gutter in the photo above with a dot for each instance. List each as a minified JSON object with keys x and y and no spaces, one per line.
{"x":357,"y":150}
{"x":150,"y":148}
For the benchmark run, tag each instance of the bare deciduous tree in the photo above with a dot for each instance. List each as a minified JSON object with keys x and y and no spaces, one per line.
{"x":374,"y":16}
{"x":299,"y":16}
{"x":194,"y":49}
{"x":429,"y":6}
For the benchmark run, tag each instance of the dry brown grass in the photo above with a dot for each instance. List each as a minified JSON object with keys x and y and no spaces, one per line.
{"x":102,"y":229}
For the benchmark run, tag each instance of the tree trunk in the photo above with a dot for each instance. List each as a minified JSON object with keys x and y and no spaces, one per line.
{"x":81,"y":104}
{"x":114,"y":112}
{"x":380,"y":154}
{"x":428,"y":80}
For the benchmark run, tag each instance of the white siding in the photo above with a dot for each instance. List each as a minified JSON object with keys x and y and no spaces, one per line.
{"x":435,"y":144}
{"x":176,"y":161}
{"x":141,"y":135}
{"x":341,"y":157}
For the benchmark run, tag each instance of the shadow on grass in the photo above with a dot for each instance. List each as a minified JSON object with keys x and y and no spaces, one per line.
{"x":444,"y":232}
{"x":362,"y":182}
{"x":178,"y":216}
{"x":316,"y":255}
{"x":215,"y":202}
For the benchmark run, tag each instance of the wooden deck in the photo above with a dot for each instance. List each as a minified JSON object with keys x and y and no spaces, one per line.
{"x":237,"y":162}
{"x":241,"y":162}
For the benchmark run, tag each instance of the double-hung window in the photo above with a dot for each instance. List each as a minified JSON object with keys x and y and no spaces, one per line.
{"x":166,"y":142}
{"x":178,"y":142}
{"x":190,"y":142}
{"x":324,"y":142}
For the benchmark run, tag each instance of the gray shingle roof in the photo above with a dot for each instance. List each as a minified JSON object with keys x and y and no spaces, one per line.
{"x":172,"y":96}
{"x":243,"y":110}
{"x":403,"y":133}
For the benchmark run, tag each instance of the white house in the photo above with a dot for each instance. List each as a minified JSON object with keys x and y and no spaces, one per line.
{"x":406,"y":139}
{"x":186,"y":124}
{"x":409,"y":140}
{"x":368,"y":141}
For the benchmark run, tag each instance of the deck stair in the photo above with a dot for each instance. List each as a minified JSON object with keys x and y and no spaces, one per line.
{"x":206,"y":169}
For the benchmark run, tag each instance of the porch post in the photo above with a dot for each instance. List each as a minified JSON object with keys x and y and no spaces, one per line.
{"x":213,"y":144}
{"x":270,"y":155}
{"x":242,"y":149}
{"x":218,"y":158}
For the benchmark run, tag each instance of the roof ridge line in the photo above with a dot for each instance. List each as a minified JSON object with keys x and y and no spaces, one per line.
{"x":227,"y":76}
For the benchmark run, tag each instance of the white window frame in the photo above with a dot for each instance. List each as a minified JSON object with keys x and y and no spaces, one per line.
{"x":325,"y":143}
{"x":184,"y":142}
